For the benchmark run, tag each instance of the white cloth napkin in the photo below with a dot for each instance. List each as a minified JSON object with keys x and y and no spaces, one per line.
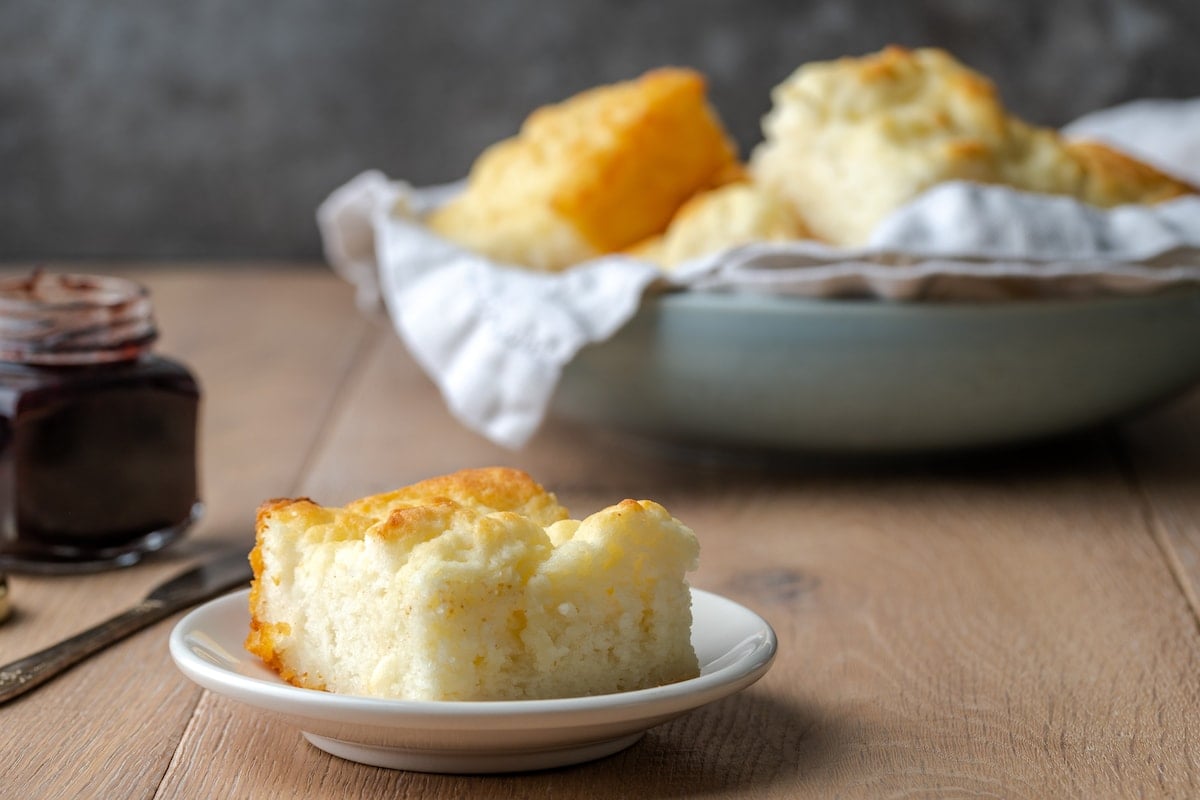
{"x":495,"y":338}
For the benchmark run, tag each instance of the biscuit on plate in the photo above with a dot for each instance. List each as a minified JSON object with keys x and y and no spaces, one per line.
{"x":849,"y":141}
{"x":472,"y":586}
{"x":594,"y":174}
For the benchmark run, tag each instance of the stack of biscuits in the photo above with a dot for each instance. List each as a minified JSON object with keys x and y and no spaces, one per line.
{"x":645,"y":167}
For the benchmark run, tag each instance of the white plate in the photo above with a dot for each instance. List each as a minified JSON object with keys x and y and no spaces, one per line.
{"x":747,"y":371}
{"x":735,"y":647}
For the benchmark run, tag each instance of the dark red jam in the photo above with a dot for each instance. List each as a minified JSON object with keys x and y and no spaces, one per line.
{"x":97,"y":446}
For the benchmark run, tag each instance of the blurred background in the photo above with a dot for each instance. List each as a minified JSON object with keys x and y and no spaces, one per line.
{"x":171,"y":129}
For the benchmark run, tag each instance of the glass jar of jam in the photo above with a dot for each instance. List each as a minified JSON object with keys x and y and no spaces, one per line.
{"x":97,"y":433}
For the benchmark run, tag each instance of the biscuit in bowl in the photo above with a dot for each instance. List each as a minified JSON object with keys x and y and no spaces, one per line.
{"x":849,"y":141}
{"x":594,"y":174}
{"x":1112,"y":178}
{"x":731,"y":215}
{"x":472,"y":586}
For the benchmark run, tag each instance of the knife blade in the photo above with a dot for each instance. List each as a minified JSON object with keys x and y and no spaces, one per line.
{"x":193,"y":586}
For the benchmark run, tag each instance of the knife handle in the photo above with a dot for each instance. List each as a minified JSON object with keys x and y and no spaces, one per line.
{"x":26,"y":673}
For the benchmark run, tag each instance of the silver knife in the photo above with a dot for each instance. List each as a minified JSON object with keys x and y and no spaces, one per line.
{"x":194,"y":586}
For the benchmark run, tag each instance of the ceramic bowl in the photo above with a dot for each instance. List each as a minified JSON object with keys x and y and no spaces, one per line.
{"x":776,"y":372}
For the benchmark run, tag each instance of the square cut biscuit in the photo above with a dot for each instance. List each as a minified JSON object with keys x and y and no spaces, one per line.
{"x":849,"y":141}
{"x":472,"y":586}
{"x":594,"y":174}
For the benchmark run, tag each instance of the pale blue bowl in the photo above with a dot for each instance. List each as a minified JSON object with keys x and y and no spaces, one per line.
{"x":869,"y":376}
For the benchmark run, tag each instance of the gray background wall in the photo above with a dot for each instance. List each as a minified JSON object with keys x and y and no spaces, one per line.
{"x":212,"y":128}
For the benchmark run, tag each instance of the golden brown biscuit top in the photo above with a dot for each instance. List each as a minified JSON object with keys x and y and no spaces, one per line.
{"x":924,"y":92}
{"x":1113,"y":178}
{"x":665,"y":141}
{"x":486,"y":489}
{"x":608,"y":167}
{"x":422,"y":509}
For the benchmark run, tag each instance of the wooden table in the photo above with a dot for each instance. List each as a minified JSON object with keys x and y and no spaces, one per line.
{"x":1018,"y":624}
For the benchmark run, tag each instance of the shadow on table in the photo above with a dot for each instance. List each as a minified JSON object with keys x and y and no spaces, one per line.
{"x":803,"y":461}
{"x":747,"y":741}
{"x":649,"y":466}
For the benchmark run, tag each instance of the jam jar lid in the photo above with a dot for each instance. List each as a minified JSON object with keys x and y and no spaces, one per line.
{"x":53,"y":319}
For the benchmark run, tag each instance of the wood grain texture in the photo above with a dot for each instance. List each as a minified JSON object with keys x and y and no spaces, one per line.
{"x":1008,"y":624}
{"x":267,"y":346}
{"x":1163,"y":458}
{"x":1004,"y":625}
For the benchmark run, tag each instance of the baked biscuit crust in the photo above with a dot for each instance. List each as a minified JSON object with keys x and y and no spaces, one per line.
{"x":472,"y":586}
{"x":731,"y":215}
{"x":592,"y":175}
{"x":1114,"y":178}
{"x":849,"y":141}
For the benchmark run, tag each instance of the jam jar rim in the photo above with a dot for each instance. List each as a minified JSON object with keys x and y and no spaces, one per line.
{"x":73,"y":319}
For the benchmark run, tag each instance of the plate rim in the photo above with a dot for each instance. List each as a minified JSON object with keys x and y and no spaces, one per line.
{"x":760,"y":647}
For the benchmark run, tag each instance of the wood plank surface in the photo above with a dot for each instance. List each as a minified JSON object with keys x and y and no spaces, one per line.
{"x":1009,"y":624}
{"x":1163,"y":453}
{"x":1003,"y":625}
{"x":267,"y":346}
